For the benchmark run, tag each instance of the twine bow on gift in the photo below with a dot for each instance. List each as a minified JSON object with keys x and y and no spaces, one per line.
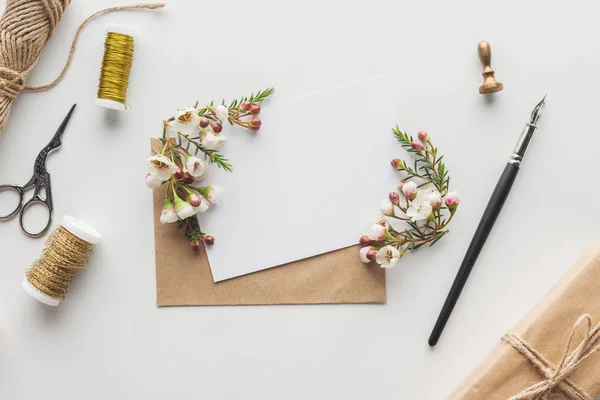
{"x":557,"y":377}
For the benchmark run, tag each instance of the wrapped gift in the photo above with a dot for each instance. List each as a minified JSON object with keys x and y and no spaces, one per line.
{"x":554,"y":351}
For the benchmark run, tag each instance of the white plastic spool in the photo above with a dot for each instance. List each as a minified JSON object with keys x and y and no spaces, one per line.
{"x":77,"y":228}
{"x":125,"y":30}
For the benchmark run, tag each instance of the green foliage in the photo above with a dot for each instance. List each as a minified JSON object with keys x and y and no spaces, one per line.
{"x":192,"y":228}
{"x":428,"y":166}
{"x":259,"y":97}
{"x":178,"y":147}
{"x":212,"y":156}
{"x":218,"y":159}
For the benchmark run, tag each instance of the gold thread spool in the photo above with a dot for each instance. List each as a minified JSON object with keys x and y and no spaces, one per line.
{"x":68,"y":250}
{"x":116,"y":68}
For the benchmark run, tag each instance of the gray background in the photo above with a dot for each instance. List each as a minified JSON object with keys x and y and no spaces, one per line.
{"x":108,"y":340}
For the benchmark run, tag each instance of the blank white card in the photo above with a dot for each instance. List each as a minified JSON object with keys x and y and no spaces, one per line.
{"x":309,"y":182}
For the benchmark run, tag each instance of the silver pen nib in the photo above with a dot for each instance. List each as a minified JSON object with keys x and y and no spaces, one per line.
{"x":519,"y":152}
{"x":537,"y":112}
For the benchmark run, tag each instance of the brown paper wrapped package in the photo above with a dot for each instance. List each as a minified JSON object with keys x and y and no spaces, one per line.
{"x":183,"y":277}
{"x":546,"y":328}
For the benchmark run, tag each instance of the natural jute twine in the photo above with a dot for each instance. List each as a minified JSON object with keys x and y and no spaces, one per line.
{"x":63,"y":257}
{"x":25,"y":28}
{"x":556,"y":378}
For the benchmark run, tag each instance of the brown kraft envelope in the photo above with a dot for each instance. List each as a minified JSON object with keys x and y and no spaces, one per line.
{"x":183,"y":276}
{"x":547,"y":327}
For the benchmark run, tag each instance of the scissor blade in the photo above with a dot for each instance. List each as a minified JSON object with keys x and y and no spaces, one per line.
{"x":56,"y":140}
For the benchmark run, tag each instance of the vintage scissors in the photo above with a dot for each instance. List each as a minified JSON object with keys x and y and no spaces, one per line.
{"x":40,"y":181}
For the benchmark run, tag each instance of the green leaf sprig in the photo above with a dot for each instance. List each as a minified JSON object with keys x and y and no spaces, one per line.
{"x":179,"y":148}
{"x":422,"y":203}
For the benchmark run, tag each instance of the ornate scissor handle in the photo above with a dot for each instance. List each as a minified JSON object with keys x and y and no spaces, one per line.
{"x":31,"y":202}
{"x":20,"y":191}
{"x":43,"y":183}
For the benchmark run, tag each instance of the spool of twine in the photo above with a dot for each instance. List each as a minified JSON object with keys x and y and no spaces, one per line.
{"x":25,"y":28}
{"x":68,"y":250}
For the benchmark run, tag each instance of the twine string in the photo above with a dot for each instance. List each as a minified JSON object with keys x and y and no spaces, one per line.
{"x":61,"y":260}
{"x":25,"y":28}
{"x":116,"y":66}
{"x":556,"y":378}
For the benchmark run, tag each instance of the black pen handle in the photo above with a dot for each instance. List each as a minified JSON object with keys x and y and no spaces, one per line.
{"x":481,"y":234}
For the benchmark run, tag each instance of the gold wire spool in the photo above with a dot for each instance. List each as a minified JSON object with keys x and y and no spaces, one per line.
{"x":68,"y":250}
{"x":115,"y":69}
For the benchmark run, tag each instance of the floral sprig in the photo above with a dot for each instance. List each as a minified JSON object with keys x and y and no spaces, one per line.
{"x":191,"y":143}
{"x":422,"y":204}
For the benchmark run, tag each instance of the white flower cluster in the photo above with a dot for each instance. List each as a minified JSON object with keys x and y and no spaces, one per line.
{"x":161,"y":169}
{"x":191,"y":142}
{"x":419,"y":206}
{"x":421,"y":203}
{"x":189,"y":123}
{"x":387,"y":256}
{"x":185,"y":174}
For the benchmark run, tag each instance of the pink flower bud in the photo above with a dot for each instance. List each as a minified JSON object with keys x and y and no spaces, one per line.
{"x":417,"y":145}
{"x":435,"y":199}
{"x":178,"y":173}
{"x":196,"y":244}
{"x":372,"y":255}
{"x":452,"y":200}
{"x":216,"y":127}
{"x":394,"y":198}
{"x":255,"y":123}
{"x":204,"y":122}
{"x":209,"y":240}
{"x":195,"y":200}
{"x":387,"y":207}
{"x":245,"y":106}
{"x":255,"y":109}
{"x":396,"y":162}
{"x":400,"y":184}
{"x":409,"y":190}
{"x":365,"y":240}
{"x":423,"y":135}
{"x":188,"y":179}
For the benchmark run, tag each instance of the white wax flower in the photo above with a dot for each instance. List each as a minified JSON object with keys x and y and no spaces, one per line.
{"x":210,"y":141}
{"x":378,"y":228}
{"x":376,"y":232}
{"x":214,"y":194}
{"x":168,"y":214}
{"x":183,"y":208}
{"x":161,"y":167}
{"x":363,"y":254}
{"x":211,"y":193}
{"x":435,"y":198}
{"x":418,"y":212}
{"x":203,"y":205}
{"x":186,"y":121}
{"x":195,"y":166}
{"x":387,"y":256}
{"x":152,"y":182}
{"x":387,"y":208}
{"x":409,"y":189}
{"x":221,"y":112}
{"x":422,"y":206}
